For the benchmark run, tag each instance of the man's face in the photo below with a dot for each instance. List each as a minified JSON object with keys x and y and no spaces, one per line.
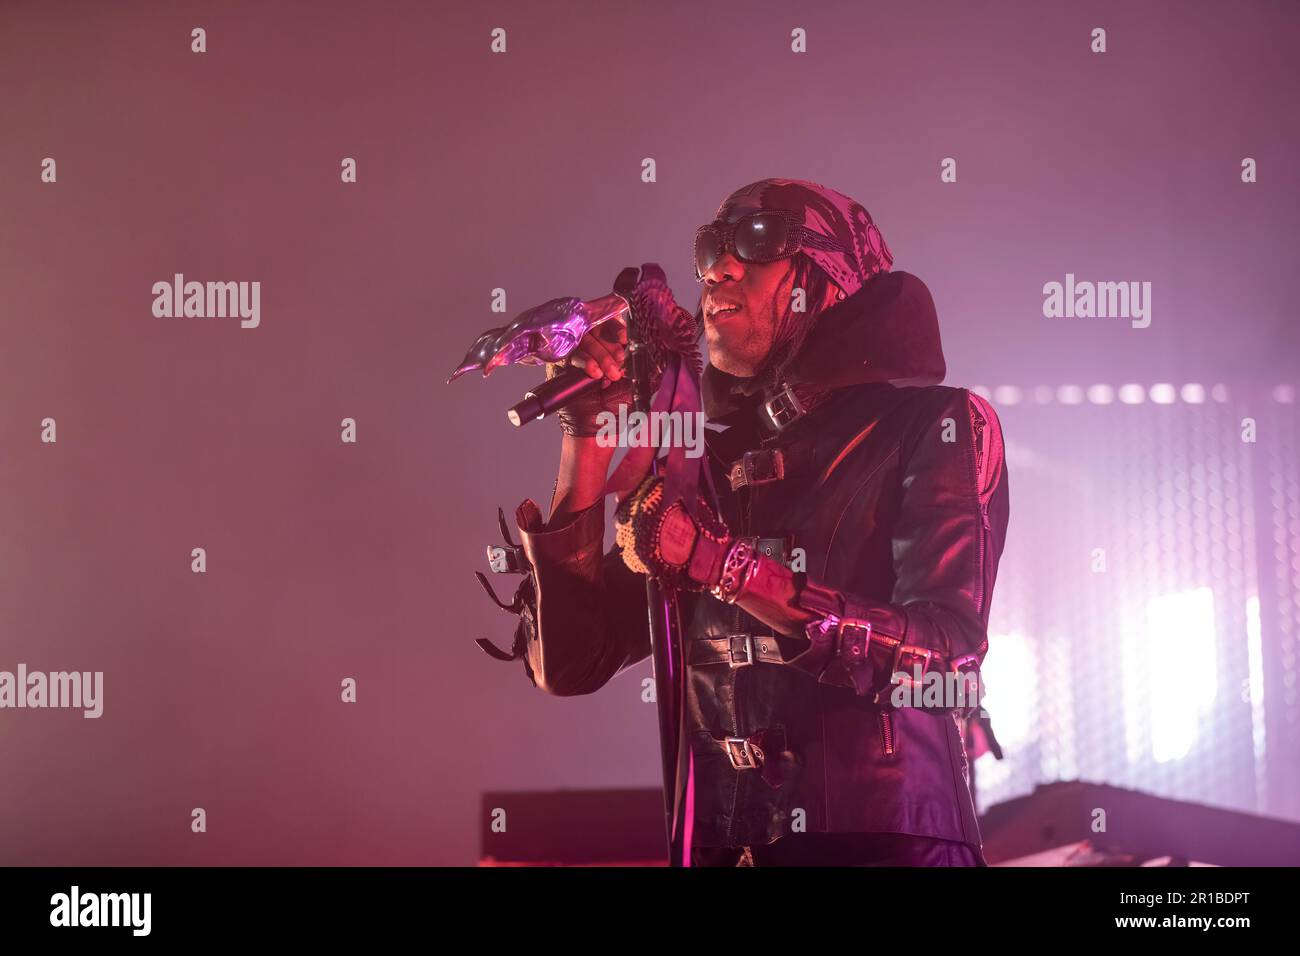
{"x":742,"y":304}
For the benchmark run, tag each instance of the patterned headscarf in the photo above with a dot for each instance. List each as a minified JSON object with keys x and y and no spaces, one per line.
{"x":829,"y":214}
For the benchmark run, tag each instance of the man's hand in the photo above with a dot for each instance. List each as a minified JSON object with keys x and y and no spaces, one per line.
{"x":600,"y":354}
{"x":669,"y":543}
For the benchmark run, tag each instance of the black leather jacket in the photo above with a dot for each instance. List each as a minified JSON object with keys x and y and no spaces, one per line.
{"x":893,"y":498}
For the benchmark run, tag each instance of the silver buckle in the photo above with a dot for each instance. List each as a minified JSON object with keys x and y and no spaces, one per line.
{"x":746,"y":751}
{"x":855,"y":648}
{"x":783,"y":408}
{"x":504,"y":560}
{"x":924,"y":653}
{"x":731,"y":650}
{"x":757,"y":468}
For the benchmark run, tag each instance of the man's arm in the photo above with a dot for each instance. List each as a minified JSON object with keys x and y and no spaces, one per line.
{"x":583,"y":614}
{"x":588,"y":617}
{"x":947,"y":541}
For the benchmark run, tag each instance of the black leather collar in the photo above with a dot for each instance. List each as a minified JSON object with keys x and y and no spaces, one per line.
{"x":887,"y":331}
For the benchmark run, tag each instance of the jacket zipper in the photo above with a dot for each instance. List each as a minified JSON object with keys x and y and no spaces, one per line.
{"x":887,"y":739}
{"x":978,"y":425}
{"x":984,"y":535}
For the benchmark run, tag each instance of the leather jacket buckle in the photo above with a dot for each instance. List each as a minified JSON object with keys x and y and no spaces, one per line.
{"x":854,"y":640}
{"x":783,"y":408}
{"x":966,"y":664}
{"x":970,"y":687}
{"x":925,"y":654}
{"x":742,"y":753}
{"x":757,"y":468}
{"x":505,"y":560}
{"x":747,"y":643}
{"x":508,"y":558}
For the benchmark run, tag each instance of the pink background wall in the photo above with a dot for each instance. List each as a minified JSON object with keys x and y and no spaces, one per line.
{"x":522,"y":171}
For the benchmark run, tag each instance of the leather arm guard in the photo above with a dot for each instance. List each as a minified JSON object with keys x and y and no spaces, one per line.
{"x":881,"y":651}
{"x":872,"y":648}
{"x":924,"y":647}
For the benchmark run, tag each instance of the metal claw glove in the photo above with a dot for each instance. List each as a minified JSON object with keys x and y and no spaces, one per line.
{"x":663,"y":324}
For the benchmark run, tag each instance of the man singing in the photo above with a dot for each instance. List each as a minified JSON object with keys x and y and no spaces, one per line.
{"x":862,"y":512}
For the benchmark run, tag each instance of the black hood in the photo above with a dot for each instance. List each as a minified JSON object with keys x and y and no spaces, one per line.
{"x":887,"y":331}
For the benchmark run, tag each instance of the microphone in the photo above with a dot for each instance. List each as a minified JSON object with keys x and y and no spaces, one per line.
{"x":544,"y":334}
{"x":551,"y":395}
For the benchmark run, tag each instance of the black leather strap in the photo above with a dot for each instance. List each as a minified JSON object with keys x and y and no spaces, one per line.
{"x":741,"y":650}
